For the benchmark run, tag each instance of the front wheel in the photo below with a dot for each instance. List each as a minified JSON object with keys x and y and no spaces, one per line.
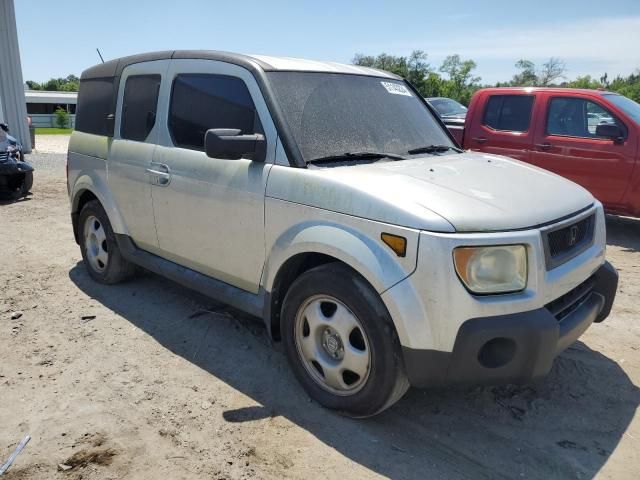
{"x":341,"y":343}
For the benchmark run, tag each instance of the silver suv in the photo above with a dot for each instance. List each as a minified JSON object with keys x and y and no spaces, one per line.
{"x":330,"y":201}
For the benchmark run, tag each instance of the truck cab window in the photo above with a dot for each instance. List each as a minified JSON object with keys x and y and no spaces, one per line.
{"x":200,"y":102}
{"x":139,"y":106}
{"x":508,"y":112}
{"x":577,"y":117}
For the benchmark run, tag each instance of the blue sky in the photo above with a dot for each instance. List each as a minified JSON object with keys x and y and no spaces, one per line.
{"x":58,"y":38}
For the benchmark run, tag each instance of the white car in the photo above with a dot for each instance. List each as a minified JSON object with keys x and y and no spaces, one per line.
{"x":328,"y":200}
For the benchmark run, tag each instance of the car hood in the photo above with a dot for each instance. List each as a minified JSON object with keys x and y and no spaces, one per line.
{"x":468,"y":192}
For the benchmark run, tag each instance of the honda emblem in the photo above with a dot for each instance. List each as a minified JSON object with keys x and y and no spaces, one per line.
{"x":573,"y":235}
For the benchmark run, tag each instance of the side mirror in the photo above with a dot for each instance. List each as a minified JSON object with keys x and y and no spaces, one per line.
{"x":609,"y":130}
{"x":230,"y":144}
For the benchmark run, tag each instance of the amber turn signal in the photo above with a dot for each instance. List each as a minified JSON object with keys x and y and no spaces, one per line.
{"x":396,"y":243}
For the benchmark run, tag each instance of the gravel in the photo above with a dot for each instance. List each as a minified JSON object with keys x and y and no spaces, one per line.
{"x":52,"y":143}
{"x":46,"y":161}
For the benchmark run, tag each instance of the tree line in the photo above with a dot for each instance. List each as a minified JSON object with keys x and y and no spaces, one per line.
{"x":455,"y":77}
{"x":68,"y":84}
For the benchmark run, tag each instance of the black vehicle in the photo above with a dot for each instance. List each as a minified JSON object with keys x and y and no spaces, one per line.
{"x":16,"y":175}
{"x":451,"y":112}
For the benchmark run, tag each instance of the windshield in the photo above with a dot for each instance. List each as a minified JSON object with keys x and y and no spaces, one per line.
{"x":447,"y":107}
{"x":627,"y":105}
{"x":332,"y":114}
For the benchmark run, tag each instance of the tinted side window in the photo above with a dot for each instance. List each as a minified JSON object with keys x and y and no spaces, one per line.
{"x":139,"y":106}
{"x":577,"y":117}
{"x":201,"y":101}
{"x":509,"y":112}
{"x":96,"y":100}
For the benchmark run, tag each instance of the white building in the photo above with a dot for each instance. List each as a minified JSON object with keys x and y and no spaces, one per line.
{"x":42,"y":104}
{"x":12,"y":100}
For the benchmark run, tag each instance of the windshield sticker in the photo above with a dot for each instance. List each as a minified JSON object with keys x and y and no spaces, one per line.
{"x":396,"y":88}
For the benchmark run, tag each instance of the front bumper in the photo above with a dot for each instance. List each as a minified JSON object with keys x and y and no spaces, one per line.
{"x":512,"y":348}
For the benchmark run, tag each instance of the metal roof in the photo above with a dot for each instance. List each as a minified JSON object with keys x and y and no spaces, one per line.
{"x":303,"y":65}
{"x":45,"y":96}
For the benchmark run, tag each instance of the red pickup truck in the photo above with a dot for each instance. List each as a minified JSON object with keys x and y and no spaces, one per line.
{"x":591,"y":137}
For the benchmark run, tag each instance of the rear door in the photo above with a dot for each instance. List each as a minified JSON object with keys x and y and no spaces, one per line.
{"x":134,"y":141}
{"x":566,"y":143}
{"x":502,"y":125}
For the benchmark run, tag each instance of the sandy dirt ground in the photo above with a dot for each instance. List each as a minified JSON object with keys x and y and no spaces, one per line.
{"x":51,"y":143}
{"x":149,"y":380}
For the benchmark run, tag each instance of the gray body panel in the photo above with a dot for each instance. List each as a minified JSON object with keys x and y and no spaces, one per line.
{"x":467,"y":192}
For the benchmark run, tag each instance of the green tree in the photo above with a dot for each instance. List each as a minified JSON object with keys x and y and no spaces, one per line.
{"x":67,"y":84}
{"x":461,"y":84}
{"x":61,"y":118}
{"x":627,"y":86}
{"x":434,"y":86}
{"x":527,"y":76}
{"x":414,"y":68}
{"x":585,"y":81}
{"x":455,"y":78}
{"x":33,"y":85}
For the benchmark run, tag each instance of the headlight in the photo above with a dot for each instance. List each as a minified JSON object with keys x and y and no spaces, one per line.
{"x":495,"y":269}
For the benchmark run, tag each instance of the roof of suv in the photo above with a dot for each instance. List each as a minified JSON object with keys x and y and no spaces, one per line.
{"x":266,"y":63}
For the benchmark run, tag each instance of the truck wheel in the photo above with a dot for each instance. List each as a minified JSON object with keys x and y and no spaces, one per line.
{"x":341,"y":343}
{"x":100,"y":252}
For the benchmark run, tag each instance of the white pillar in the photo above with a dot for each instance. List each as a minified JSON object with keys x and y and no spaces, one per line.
{"x":13,"y":106}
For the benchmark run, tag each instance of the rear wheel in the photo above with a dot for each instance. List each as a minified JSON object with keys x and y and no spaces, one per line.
{"x":341,"y":343}
{"x":99,"y":248}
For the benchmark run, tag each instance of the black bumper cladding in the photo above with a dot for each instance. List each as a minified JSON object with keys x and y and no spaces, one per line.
{"x":519,"y":347}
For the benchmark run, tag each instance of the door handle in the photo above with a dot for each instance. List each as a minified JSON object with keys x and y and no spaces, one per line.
{"x":160,"y":175}
{"x":543,"y":146}
{"x":479,"y":139}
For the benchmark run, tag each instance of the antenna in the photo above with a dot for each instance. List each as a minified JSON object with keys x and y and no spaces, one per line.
{"x":100,"y":55}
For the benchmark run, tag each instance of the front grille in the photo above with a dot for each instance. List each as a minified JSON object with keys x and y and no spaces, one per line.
{"x":4,"y":156}
{"x":570,"y":301}
{"x":564,"y":243}
{"x":563,"y":240}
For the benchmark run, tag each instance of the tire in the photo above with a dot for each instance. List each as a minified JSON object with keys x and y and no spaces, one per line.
{"x":100,"y":252}
{"x":27,"y":183}
{"x":333,"y":324}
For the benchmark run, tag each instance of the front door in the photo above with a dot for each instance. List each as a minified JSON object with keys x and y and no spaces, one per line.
{"x":134,"y":141}
{"x":566,"y":143}
{"x":209,"y":211}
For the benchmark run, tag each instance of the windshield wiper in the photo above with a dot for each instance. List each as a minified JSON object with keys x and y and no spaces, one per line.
{"x":434,"y":149}
{"x":364,"y":155}
{"x":357,"y":156}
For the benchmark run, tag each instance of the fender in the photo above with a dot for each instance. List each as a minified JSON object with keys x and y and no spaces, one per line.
{"x":97,"y":185}
{"x":367,"y":255}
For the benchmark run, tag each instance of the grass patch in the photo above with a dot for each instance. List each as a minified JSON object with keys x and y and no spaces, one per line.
{"x":54,"y":131}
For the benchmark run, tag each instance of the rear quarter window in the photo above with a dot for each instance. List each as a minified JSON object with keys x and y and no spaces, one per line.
{"x":96,"y":100}
{"x":508,"y":112}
